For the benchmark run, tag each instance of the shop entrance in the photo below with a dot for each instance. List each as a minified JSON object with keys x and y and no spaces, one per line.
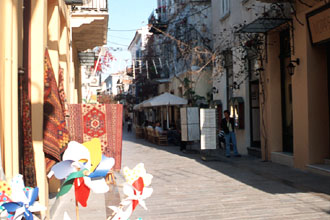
{"x":286,"y":92}
{"x":254,"y":105}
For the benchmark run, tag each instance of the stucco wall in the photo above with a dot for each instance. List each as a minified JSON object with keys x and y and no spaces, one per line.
{"x":271,"y":137}
{"x":310,"y":79}
{"x":224,"y":39}
{"x":2,"y":58}
{"x":203,"y":82}
{"x":309,"y":96}
{"x":11,"y":27}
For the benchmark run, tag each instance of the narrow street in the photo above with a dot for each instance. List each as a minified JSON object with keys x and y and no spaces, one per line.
{"x":185,"y":187}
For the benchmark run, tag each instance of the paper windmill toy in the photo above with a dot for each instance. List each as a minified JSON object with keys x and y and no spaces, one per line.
{"x":85,"y":167}
{"x":5,"y":192}
{"x":22,"y":200}
{"x":136,"y":191}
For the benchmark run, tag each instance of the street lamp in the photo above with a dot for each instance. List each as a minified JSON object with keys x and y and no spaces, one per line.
{"x":291,"y":66}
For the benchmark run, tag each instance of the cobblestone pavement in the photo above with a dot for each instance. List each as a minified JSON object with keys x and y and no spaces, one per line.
{"x":186,"y":187}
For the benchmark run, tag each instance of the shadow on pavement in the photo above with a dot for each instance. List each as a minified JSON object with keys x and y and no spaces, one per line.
{"x":112,"y":198}
{"x":254,"y":172}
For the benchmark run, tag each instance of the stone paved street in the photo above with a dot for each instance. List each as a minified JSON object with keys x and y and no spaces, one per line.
{"x":185,"y":187}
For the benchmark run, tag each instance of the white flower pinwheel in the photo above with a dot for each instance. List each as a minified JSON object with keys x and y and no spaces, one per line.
{"x":135,"y":191}
{"x":135,"y":195}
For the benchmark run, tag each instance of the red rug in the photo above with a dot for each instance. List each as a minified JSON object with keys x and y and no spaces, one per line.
{"x":103,"y":121}
{"x":56,"y":135}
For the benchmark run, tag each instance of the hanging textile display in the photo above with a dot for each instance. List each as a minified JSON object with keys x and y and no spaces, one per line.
{"x":27,"y":163}
{"x":61,"y":91}
{"x":28,"y":169}
{"x":103,"y":121}
{"x":56,"y":135}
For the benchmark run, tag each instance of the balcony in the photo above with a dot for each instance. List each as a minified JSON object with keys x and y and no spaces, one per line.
{"x":92,"y":5}
{"x":158,"y":21}
{"x":90,"y":24}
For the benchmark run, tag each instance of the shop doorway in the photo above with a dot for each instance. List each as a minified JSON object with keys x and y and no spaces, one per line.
{"x":255,"y":114}
{"x":254,"y":105}
{"x":286,"y":92}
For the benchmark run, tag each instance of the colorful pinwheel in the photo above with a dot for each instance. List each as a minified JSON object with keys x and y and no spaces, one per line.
{"x":5,"y":192}
{"x":23,"y":200}
{"x":135,"y":191}
{"x":85,"y":168}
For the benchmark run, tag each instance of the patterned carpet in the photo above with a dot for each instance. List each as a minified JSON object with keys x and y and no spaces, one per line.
{"x":103,"y":121}
{"x":56,"y":135}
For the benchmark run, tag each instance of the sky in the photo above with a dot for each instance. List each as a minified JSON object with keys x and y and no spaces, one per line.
{"x":126,"y":15}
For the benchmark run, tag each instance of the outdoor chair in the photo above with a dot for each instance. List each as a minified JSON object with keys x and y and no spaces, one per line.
{"x":154,"y":136}
{"x":151,"y":135}
{"x":161,"y":139}
{"x":145,"y":133}
{"x":138,"y":132}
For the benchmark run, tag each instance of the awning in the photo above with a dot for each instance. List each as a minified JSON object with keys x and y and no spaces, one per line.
{"x":165,"y":99}
{"x":140,"y":105}
{"x":263,"y":25}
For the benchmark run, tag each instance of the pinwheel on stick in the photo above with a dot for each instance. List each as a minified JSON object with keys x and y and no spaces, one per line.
{"x":135,"y":190}
{"x":84,"y":167}
{"x":22,"y":201}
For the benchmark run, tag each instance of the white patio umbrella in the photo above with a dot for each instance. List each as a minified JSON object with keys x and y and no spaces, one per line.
{"x":140,"y":105}
{"x":165,"y":99}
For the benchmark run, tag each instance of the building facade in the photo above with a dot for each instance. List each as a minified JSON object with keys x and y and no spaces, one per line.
{"x":182,"y":47}
{"x":236,"y":81}
{"x":177,"y":56}
{"x":89,"y":30}
{"x":271,"y":72}
{"x":32,"y":30}
{"x":297,"y":89}
{"x":27,"y":34}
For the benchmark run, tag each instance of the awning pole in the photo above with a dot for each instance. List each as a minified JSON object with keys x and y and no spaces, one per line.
{"x":167,"y":121}
{"x":162,"y":116}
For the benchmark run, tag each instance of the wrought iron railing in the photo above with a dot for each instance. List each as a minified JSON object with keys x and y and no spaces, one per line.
{"x":158,"y":16}
{"x":93,"y":5}
{"x":158,"y":21}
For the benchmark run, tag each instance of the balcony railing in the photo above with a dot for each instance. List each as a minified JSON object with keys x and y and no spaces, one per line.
{"x":158,"y":21}
{"x":92,"y":5}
